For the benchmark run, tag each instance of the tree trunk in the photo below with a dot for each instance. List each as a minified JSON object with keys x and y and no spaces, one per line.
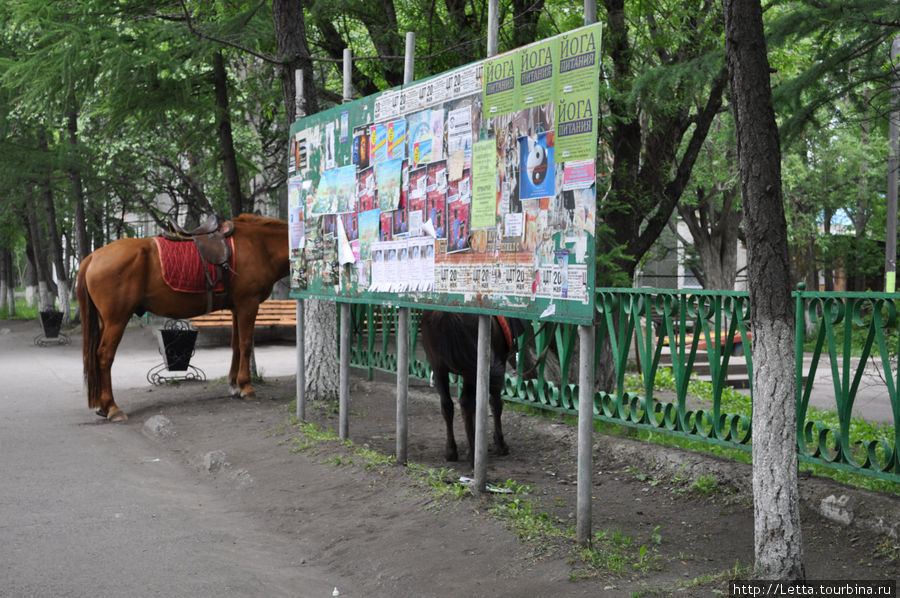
{"x":95,"y":213}
{"x":54,"y":243}
{"x":776,"y":499}
{"x":829,"y":260}
{"x":715,"y":236}
{"x":4,"y":278}
{"x":293,"y":53}
{"x":35,"y":251}
{"x":320,"y":322}
{"x":11,"y":283}
{"x":83,"y":242}
{"x":320,"y":340}
{"x":226,"y":139}
{"x":29,"y":277}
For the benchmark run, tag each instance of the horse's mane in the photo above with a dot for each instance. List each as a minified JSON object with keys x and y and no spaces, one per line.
{"x":254,"y":220}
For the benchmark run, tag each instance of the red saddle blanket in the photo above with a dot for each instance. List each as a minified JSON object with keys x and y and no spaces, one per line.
{"x":182,"y":268}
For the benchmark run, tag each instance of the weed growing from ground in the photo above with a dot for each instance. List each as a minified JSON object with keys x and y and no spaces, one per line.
{"x":616,"y":554}
{"x":443,"y":482}
{"x":889,"y":550}
{"x":707,"y":485}
{"x":520,"y":514}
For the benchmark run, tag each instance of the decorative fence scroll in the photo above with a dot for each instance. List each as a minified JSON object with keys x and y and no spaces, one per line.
{"x":855,"y":343}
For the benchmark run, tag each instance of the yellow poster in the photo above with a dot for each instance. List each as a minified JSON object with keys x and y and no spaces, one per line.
{"x":484,"y":184}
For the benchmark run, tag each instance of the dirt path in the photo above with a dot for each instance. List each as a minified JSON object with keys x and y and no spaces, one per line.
{"x":384,"y":531}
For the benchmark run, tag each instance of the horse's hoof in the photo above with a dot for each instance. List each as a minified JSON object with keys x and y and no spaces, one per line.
{"x":451,"y":455}
{"x":502,"y":450}
{"x":235,"y":390}
{"x":116,"y":416}
{"x":101,"y":413}
{"x":250,"y":396}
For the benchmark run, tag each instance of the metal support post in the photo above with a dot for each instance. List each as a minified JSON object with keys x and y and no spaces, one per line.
{"x":344,"y":388}
{"x":482,"y":392}
{"x":402,"y":383}
{"x":585,"y":432}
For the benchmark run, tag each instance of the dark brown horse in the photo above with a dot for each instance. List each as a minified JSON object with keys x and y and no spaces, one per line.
{"x":125,"y":278}
{"x":451,"y":341}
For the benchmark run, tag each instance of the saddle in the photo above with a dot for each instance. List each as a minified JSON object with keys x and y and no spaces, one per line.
{"x":210,"y":238}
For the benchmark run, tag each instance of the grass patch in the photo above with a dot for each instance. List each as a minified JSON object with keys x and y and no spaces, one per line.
{"x":707,"y":485}
{"x":311,"y":435}
{"x":615,"y":554}
{"x":737,"y":403}
{"x":26,"y":311}
{"x":519,"y":513}
{"x":443,"y":483}
{"x":888,"y":550}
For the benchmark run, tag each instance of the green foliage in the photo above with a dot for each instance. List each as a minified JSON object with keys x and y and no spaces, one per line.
{"x":822,"y":57}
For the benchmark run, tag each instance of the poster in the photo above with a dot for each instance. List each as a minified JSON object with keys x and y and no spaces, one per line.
{"x":387,"y":141}
{"x":537,"y":83}
{"x":388,"y":176}
{"x":296,"y":222}
{"x":366,"y":197}
{"x":537,"y":169}
{"x":369,"y":223}
{"x":360,"y":151}
{"x":335,"y":191}
{"x":459,"y":131}
{"x":426,"y":137}
{"x":500,"y":85}
{"x":577,"y":94}
{"x":484,"y":187}
{"x":436,"y":197}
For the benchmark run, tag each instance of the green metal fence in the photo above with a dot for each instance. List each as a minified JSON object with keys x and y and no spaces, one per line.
{"x":659,"y":345}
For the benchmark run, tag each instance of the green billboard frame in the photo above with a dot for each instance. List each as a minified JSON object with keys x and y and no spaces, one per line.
{"x":473,"y":190}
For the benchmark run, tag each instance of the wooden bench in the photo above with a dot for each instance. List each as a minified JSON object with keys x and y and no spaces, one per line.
{"x":276,"y":316}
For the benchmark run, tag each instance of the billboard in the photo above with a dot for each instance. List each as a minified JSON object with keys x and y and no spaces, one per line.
{"x":473,"y":190}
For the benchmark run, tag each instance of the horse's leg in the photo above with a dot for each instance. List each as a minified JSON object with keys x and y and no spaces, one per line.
{"x":244,"y":318}
{"x":442,"y":384}
{"x":498,"y":371}
{"x":111,"y":335}
{"x":235,"y":357}
{"x":467,"y":407}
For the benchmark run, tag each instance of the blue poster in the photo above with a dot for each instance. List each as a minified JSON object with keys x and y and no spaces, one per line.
{"x":536,"y":168}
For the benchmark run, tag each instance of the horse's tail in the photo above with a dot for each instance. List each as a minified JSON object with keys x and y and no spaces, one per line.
{"x":90,"y":328}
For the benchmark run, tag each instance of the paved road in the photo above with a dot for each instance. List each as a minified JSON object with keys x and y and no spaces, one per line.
{"x":87,"y":511}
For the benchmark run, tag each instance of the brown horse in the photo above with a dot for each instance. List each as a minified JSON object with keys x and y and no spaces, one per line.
{"x":451,"y":345}
{"x":125,"y":278}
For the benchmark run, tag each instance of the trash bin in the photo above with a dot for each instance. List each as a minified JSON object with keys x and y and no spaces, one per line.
{"x":51,"y":322}
{"x":176,"y":345}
